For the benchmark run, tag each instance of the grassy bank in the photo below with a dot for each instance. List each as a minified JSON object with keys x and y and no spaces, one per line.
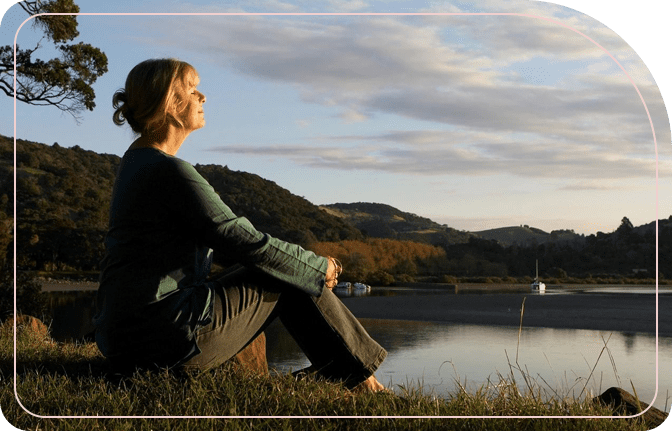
{"x":65,"y":379}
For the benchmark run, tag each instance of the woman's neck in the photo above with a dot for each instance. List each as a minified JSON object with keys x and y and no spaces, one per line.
{"x":168,"y":139}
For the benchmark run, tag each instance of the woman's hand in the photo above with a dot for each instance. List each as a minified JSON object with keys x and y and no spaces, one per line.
{"x":333,"y":271}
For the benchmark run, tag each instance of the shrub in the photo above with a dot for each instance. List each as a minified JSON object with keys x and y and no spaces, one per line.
{"x":404,"y":278}
{"x":380,"y":278}
{"x":29,"y":297}
{"x":449,"y":279}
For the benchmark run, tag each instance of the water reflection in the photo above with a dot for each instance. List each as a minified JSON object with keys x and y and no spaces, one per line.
{"x":71,"y":314}
{"x":487,"y":289}
{"x":435,"y":355}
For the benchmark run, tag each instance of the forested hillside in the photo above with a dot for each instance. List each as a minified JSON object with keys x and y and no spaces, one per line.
{"x":526,"y":235}
{"x":63,"y":197}
{"x":383,"y":221}
{"x":275,"y":210}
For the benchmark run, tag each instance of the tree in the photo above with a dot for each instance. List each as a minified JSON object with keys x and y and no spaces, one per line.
{"x":626,"y":226}
{"x":63,"y":82}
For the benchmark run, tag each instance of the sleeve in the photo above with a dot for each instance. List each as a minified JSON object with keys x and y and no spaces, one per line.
{"x":216,"y":226}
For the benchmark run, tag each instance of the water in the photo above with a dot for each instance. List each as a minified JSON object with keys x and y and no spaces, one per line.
{"x":72,"y":314}
{"x":436,"y":355}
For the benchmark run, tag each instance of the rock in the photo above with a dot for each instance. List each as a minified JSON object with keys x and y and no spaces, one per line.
{"x":624,"y":403}
{"x":253,"y":356}
{"x":26,"y":324}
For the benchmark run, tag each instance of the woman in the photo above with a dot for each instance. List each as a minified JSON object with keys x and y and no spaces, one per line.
{"x":155,"y":305}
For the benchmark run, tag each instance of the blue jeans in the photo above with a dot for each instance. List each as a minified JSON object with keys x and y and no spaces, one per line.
{"x":332,"y":338}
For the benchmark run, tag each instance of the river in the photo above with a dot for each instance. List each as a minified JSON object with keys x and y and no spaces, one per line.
{"x":437,"y":355}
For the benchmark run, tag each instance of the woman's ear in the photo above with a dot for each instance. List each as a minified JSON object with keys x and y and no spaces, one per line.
{"x":173,"y":111}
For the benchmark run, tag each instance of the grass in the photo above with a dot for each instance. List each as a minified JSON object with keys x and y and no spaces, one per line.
{"x":67,"y":379}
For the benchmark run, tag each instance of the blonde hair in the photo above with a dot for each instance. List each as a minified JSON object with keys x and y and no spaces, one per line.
{"x":149,"y":97}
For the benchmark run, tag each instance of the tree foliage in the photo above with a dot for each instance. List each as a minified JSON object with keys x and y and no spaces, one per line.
{"x":63,"y":82}
{"x":377,"y":259}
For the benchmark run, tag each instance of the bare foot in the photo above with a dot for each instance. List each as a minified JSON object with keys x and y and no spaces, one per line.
{"x":372,"y":385}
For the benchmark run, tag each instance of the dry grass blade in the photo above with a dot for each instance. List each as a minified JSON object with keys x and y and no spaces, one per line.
{"x":613,"y":363}
{"x":520,"y":328}
{"x":634,"y":391}
{"x":596,"y":362}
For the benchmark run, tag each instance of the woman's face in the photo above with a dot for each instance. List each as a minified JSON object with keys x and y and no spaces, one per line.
{"x":192,"y":100}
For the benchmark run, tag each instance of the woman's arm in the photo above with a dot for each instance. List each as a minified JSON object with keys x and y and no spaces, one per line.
{"x":214,"y":225}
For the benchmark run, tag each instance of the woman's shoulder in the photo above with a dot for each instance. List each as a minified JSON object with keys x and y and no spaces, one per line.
{"x":160,"y":161}
{"x":154,"y":166}
{"x":180,"y":167}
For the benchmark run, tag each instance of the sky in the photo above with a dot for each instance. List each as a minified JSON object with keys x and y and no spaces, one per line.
{"x":543,"y":118}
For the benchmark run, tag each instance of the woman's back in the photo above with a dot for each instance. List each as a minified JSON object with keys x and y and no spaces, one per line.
{"x":153,"y":262}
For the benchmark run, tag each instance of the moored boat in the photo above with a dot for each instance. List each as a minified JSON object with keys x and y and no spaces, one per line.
{"x":537,"y":285}
{"x":361,"y":286}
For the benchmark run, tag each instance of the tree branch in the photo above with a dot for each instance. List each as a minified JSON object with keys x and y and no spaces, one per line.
{"x":63,"y":82}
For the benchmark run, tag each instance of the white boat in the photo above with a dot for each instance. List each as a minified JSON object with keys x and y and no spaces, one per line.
{"x":344,"y":285}
{"x":537,"y":285}
{"x":361,"y":286}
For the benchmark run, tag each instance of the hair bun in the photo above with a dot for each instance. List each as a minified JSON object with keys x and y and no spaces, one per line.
{"x":119,"y":102}
{"x":119,"y":98}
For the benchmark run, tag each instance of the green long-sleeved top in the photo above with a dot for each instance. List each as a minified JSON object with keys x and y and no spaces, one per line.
{"x":165,"y":222}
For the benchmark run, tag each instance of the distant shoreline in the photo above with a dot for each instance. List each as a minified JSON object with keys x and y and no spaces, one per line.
{"x":68,"y":285}
{"x":630,"y":313}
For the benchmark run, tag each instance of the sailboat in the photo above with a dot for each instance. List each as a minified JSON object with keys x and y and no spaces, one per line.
{"x":537,"y":286}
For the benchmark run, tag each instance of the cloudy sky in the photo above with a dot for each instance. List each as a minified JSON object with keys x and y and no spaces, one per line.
{"x":544,"y":116}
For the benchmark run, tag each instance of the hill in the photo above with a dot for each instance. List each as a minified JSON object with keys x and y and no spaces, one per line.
{"x":63,"y":200}
{"x":275,"y":210}
{"x":526,"y":235}
{"x":628,"y":251}
{"x":383,"y":221}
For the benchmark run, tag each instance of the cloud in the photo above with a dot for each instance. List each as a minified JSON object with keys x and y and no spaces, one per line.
{"x":439,"y":153}
{"x":351,"y":116}
{"x":457,"y":72}
{"x":590,"y":186}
